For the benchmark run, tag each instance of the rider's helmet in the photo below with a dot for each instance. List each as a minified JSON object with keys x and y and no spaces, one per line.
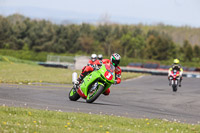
{"x":93,"y":57}
{"x":176,"y":61}
{"x":100,"y":56}
{"x":176,"y":65}
{"x":115,"y":59}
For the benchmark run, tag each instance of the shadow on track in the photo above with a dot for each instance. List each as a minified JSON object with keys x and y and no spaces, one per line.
{"x":96,"y":103}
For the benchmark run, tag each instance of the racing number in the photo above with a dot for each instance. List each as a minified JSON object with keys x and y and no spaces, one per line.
{"x":108,"y":75}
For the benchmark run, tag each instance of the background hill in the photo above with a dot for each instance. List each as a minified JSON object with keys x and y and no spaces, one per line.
{"x":154,"y":42}
{"x":178,"y":34}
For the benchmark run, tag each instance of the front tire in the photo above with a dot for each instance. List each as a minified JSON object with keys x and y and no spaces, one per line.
{"x":95,"y":95}
{"x":174,"y":87}
{"x":73,"y":95}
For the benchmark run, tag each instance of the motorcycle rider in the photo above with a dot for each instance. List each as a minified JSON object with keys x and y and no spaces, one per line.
{"x":176,"y":66}
{"x":100,"y":58}
{"x":114,"y":60}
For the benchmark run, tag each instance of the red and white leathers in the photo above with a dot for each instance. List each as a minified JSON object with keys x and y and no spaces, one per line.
{"x":117,"y":75}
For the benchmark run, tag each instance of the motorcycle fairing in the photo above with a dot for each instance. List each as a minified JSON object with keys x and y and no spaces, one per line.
{"x":96,"y":76}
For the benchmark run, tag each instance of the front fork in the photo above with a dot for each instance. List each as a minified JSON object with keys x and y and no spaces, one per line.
{"x":94,"y":87}
{"x":172,"y":81}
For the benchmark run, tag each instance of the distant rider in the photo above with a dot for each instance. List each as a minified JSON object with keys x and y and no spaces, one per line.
{"x":100,"y":58}
{"x":176,"y":66}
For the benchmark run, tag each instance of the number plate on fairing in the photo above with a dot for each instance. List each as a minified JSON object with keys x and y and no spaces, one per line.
{"x":108,"y":75}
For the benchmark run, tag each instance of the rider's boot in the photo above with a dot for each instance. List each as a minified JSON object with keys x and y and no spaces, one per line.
{"x":75,"y":85}
{"x":77,"y":82}
{"x":169,"y":81}
{"x":179,"y":84}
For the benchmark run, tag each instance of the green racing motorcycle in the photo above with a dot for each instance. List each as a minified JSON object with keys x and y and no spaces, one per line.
{"x":94,"y":84}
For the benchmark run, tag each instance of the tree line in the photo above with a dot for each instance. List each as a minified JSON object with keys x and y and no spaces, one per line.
{"x":135,"y":41}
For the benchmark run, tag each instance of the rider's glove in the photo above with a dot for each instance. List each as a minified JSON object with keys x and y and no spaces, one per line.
{"x":95,"y":67}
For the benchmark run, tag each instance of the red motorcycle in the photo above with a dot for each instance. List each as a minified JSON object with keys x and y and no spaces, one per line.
{"x":174,"y":79}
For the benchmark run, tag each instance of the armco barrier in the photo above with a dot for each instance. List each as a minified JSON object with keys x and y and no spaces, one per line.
{"x":191,"y":69}
{"x":151,"y":65}
{"x":53,"y":65}
{"x":130,"y":69}
{"x":158,"y":72}
{"x":135,"y":64}
{"x":164,"y":67}
{"x":158,"y":66}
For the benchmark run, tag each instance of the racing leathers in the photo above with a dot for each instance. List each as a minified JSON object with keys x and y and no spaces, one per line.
{"x":117,"y":75}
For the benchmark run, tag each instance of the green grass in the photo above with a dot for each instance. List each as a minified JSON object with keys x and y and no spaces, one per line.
{"x":31,"y":55}
{"x":130,"y":75}
{"x":14,"y":119}
{"x":16,"y":60}
{"x":27,"y":72}
{"x":25,"y":55}
{"x":42,"y":56}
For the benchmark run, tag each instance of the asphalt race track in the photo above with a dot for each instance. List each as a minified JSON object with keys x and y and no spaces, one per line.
{"x":144,"y":97}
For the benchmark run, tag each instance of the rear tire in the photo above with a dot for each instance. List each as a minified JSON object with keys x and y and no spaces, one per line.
{"x":73,"y":95}
{"x":96,"y":95}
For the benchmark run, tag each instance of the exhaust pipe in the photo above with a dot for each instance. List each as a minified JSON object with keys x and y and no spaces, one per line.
{"x":74,"y":77}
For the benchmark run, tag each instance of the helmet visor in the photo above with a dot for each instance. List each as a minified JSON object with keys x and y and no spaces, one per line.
{"x":115,"y":62}
{"x":100,"y":58}
{"x":93,"y":59}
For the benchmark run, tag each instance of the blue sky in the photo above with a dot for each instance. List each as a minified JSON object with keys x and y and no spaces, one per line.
{"x":172,"y":12}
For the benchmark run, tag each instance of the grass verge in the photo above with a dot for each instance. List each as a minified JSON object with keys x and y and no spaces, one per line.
{"x":12,"y":60}
{"x":14,"y":119}
{"x":26,"y":73}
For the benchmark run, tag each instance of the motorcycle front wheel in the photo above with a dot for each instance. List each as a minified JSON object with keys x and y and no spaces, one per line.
{"x":92,"y":96}
{"x":174,"y":87}
{"x":73,"y":95}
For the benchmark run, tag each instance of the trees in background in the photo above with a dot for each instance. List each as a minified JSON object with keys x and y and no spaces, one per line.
{"x":187,"y":51}
{"x":137,"y":41}
{"x":197,"y":51}
{"x":5,"y":31}
{"x":159,"y":46}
